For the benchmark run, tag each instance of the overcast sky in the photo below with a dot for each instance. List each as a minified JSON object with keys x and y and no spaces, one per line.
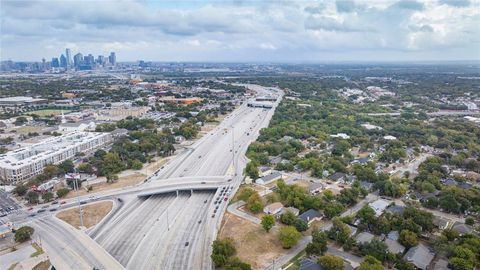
{"x":240,"y":31}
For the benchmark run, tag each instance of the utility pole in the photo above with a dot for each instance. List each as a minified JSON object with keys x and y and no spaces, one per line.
{"x":168,"y":223}
{"x":233,"y":150}
{"x":75,"y":186}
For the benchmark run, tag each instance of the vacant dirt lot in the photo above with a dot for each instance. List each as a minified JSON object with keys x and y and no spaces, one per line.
{"x":253,"y":244}
{"x":125,"y":179}
{"x":92,"y":214}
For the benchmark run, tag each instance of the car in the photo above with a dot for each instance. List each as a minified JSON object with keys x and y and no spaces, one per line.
{"x":203,"y":183}
{"x":186,"y":244}
{"x":53,"y":209}
{"x":3,"y":214}
{"x":83,"y":202}
{"x":229,"y":180}
{"x":30,"y":209}
{"x":213,"y":215}
{"x":200,"y":156}
{"x":31,"y":215}
{"x":41,"y":210}
{"x":54,"y":202}
{"x":215,"y":211}
{"x":225,"y":199}
{"x":217,"y":207}
{"x":205,"y":201}
{"x":62,"y":202}
{"x":199,"y":221}
{"x":45,"y":206}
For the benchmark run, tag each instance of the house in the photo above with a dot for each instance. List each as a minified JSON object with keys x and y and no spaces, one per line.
{"x":366,"y":185}
{"x":396,"y":209}
{"x":269,"y":178}
{"x":393,"y":235}
{"x":275,"y":160}
{"x":464,"y":185}
{"x":273,"y":209}
{"x":393,"y":246}
{"x":440,"y":222}
{"x":462,"y":228}
{"x":361,"y":161}
{"x":294,"y":210}
{"x":420,"y":256}
{"x":315,"y":188}
{"x":338,"y":176}
{"x":448,"y":182}
{"x":379,"y":206}
{"x":353,"y":230}
{"x":310,"y":216}
{"x":119,"y":132}
{"x":441,"y":264}
{"x":309,"y":264}
{"x":265,"y":170}
{"x":364,"y":237}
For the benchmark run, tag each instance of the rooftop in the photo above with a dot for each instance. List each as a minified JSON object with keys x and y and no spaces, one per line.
{"x":420,"y":256}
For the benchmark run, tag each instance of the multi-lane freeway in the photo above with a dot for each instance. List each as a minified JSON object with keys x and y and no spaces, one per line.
{"x":170,"y":221}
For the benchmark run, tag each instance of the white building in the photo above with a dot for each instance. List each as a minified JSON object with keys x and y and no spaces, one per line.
{"x":26,"y":162}
{"x":379,"y":206}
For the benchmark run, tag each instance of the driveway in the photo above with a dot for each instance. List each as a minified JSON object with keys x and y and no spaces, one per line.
{"x":233,"y":208}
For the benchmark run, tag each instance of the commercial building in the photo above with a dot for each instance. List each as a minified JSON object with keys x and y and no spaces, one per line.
{"x":22,"y":101}
{"x":24,"y":163}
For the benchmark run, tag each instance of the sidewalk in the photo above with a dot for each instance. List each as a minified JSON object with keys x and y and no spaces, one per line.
{"x":233,"y":208}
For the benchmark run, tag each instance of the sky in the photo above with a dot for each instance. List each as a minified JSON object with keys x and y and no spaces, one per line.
{"x":243,"y":31}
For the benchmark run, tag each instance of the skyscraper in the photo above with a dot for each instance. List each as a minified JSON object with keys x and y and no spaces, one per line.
{"x":112,"y":59}
{"x":77,"y":59}
{"x":55,"y":62}
{"x":69,"y":57}
{"x":63,"y":61}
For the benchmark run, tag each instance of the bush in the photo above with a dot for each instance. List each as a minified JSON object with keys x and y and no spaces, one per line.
{"x":330,"y":262}
{"x":62,"y":192}
{"x":289,"y":236}
{"x":20,"y":190}
{"x":23,"y":234}
{"x":223,"y":249}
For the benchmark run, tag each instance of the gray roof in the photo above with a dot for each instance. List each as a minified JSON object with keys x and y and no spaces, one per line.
{"x":336,"y":176}
{"x":393,"y":235}
{"x":366,"y":185}
{"x":420,"y":256}
{"x":396,"y":209}
{"x":309,"y":264}
{"x":462,"y":228}
{"x":441,"y":265}
{"x":309,"y":215}
{"x":314,"y":186}
{"x":272,"y":176}
{"x":393,"y":246}
{"x":364,"y":237}
{"x":440,"y":222}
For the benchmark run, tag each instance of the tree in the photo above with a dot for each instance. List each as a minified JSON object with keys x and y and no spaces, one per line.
{"x":267,"y":222}
{"x":23,"y":234}
{"x":67,"y":166}
{"x":85,"y":168}
{"x":300,"y":225}
{"x":222,"y":250}
{"x":254,"y":203}
{"x":408,"y":238}
{"x":469,"y":221}
{"x":375,"y":248}
{"x":62,"y":192}
{"x":245,"y":193}
{"x":370,"y":263}
{"x":50,"y":170}
{"x":463,"y":258}
{"x":236,"y":264}
{"x":318,"y":246}
{"x":330,"y":262}
{"x":251,"y":170}
{"x":137,"y":164}
{"x":20,"y":190}
{"x":340,"y":232}
{"x":289,"y":236}
{"x":47,"y":196}
{"x":367,"y":216}
{"x":32,"y":197}
{"x":288,"y":218}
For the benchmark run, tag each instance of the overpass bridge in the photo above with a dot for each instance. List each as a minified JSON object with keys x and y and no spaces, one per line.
{"x":197,"y":183}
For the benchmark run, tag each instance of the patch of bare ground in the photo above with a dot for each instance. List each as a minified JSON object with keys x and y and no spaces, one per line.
{"x":92,"y":214}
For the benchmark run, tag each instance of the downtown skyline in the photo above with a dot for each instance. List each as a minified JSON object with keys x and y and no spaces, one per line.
{"x":292,"y":31}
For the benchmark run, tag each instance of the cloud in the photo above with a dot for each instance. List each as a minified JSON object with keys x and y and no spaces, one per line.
{"x":345,"y":5}
{"x":455,"y":3}
{"x":242,"y":30}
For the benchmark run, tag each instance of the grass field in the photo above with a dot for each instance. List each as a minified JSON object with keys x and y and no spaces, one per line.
{"x":48,"y":112}
{"x":92,"y":214}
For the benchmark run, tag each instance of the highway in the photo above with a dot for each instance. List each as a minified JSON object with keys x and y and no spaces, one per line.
{"x":170,"y":221}
{"x":167,"y":231}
